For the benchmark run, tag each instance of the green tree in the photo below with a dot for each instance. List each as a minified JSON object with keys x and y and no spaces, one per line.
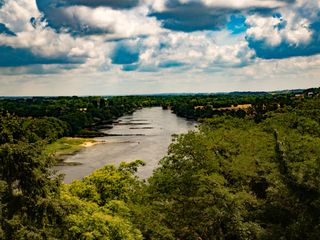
{"x":30,"y":207}
{"x":101,"y":204}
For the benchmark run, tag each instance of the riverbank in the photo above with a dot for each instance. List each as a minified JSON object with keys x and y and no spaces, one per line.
{"x":67,"y":146}
{"x":126,"y":142}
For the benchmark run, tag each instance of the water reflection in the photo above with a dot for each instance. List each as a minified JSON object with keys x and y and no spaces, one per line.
{"x":145,"y":135}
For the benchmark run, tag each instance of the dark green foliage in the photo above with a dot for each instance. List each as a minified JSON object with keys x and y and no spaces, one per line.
{"x":29,"y":207}
{"x":237,"y":179}
{"x":207,"y":188}
{"x":47,"y":128}
{"x":34,"y":204}
{"x":250,"y":174}
{"x":74,"y":113}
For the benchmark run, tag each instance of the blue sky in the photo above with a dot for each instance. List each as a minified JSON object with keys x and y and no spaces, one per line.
{"x":101,"y":47}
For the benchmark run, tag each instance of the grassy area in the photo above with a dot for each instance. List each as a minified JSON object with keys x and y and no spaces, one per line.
{"x":67,"y":146}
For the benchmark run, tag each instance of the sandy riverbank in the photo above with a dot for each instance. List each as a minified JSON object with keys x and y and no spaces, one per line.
{"x":92,"y":143}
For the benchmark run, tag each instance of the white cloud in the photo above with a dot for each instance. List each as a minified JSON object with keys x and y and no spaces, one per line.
{"x":16,"y":14}
{"x":157,"y":5}
{"x":269,"y":29}
{"x":292,"y":27}
{"x":215,"y":60}
{"x":160,"y":5}
{"x":117,"y":23}
{"x":44,"y":41}
{"x":201,"y":51}
{"x":242,"y":4}
{"x":302,"y":72}
{"x":290,"y":73}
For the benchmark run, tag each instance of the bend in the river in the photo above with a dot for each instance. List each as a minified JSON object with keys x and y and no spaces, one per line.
{"x":145,"y":135}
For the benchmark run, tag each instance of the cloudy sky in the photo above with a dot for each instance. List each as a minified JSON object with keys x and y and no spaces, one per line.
{"x":101,"y":47}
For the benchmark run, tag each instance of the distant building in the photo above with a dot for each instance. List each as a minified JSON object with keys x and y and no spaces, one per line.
{"x":310,"y":94}
{"x":236,"y":107}
{"x":299,"y":96}
{"x":198,"y":107}
{"x":233,"y":107}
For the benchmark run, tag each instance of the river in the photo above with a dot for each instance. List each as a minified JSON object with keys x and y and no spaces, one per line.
{"x":144,"y":135}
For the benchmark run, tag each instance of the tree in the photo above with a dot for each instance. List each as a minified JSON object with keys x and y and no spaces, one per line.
{"x":101,"y":205}
{"x":30,"y":206}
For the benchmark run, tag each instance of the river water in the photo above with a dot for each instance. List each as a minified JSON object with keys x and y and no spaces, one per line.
{"x":144,"y":135}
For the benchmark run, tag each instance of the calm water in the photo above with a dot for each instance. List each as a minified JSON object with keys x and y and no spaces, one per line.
{"x":146,"y":135}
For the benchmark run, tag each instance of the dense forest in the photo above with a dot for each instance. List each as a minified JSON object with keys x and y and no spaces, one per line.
{"x":72,"y":115}
{"x":250,"y":170}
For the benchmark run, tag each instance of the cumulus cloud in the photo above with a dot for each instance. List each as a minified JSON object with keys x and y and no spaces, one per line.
{"x":291,"y":31}
{"x":16,"y":14}
{"x":113,"y":19}
{"x":195,"y":15}
{"x":114,"y":23}
{"x":287,"y":73}
{"x":241,"y":4}
{"x":33,"y":42}
{"x":199,"y":50}
{"x":115,"y":4}
{"x":191,"y":17}
{"x":156,"y":39}
{"x":274,"y":30}
{"x":15,"y":57}
{"x":161,"y":5}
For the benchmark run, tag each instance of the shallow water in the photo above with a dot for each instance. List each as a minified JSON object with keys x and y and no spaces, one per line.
{"x":144,"y":135}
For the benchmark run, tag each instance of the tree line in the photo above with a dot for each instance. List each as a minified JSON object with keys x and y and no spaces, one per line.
{"x":251,"y":177}
{"x":72,"y":115}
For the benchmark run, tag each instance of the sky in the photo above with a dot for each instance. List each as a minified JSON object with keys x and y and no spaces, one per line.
{"x":119,"y":47}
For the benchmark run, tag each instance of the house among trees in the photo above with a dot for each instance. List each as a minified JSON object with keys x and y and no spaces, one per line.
{"x":299,"y":96}
{"x":310,"y":94}
{"x":236,"y":107}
